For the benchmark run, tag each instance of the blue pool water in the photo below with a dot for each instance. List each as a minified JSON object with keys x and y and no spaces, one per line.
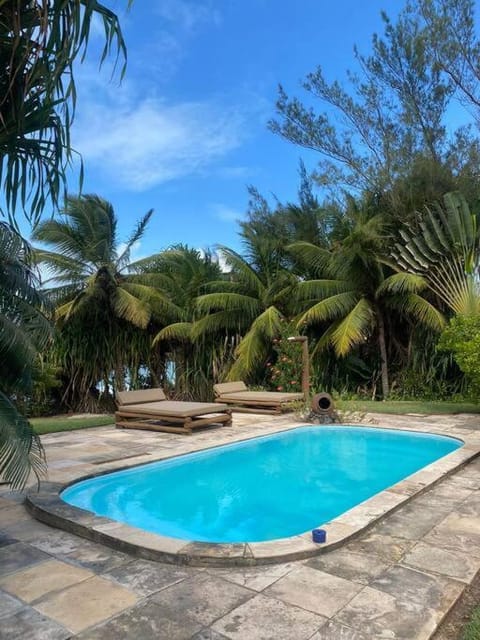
{"x":261,"y":489}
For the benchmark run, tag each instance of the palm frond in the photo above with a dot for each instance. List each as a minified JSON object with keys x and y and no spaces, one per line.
{"x":21,"y":451}
{"x":402,"y":283}
{"x":354,"y":328}
{"x":130,"y":308}
{"x":330,"y":308}
{"x":424,"y":312}
{"x":179,"y":331}
{"x":316,"y":259}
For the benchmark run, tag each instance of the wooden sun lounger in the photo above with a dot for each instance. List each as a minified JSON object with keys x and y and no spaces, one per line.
{"x":241,"y":399}
{"x":150,"y":409}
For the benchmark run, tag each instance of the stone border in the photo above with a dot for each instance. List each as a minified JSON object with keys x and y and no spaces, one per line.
{"x":47,"y":506}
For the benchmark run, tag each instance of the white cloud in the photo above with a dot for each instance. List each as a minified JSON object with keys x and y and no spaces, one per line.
{"x":225,"y":213}
{"x":188,"y":15}
{"x":143,"y":143}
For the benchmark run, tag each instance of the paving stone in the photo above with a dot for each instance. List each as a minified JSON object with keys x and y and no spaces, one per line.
{"x":87,"y":603}
{"x":29,"y":530}
{"x":357,"y":567}
{"x":470,"y":507}
{"x":410,"y":585}
{"x":458,"y":533}
{"x":14,"y":557}
{"x":387,"y":548}
{"x":34,"y":582}
{"x":314,"y":590}
{"x":263,"y":618}
{"x":144,"y":577}
{"x":6,"y":538}
{"x":202,"y":598}
{"x":96,"y":557}
{"x":379,"y":615}
{"x":58,"y":542}
{"x":8,"y":604}
{"x":13,"y":514}
{"x":208,"y":634}
{"x":446,"y":498}
{"x":462,"y":566}
{"x":256,"y":578}
{"x":143,"y":622}
{"x":411,"y":522}
{"x":335,"y":631}
{"x":28,"y":624}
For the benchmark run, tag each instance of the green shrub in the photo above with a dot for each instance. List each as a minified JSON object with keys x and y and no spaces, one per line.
{"x":462,"y":338}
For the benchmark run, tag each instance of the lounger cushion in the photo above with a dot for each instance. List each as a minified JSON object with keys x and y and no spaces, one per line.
{"x":140,"y":396}
{"x":229,"y":387}
{"x":261,"y":396}
{"x":174,"y":408}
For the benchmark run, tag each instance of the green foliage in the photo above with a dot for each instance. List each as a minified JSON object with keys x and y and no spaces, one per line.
{"x":105,"y":308}
{"x":444,"y":250}
{"x":24,"y":330}
{"x":462,"y":338}
{"x":39,"y":43}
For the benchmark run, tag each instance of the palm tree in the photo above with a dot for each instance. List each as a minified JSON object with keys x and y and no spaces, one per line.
{"x":356,"y":291}
{"x":250,"y":303}
{"x":103,"y":308}
{"x":40,"y":41}
{"x":23,"y":331}
{"x":187,"y":273}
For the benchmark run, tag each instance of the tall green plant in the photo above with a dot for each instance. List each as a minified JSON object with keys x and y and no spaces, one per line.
{"x":39,"y":44}
{"x":24,"y":330}
{"x":355,"y":291}
{"x":444,"y":251}
{"x":103,"y":307}
{"x":251,"y":303}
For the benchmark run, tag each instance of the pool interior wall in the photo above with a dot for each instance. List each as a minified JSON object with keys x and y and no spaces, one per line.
{"x":263,"y":489}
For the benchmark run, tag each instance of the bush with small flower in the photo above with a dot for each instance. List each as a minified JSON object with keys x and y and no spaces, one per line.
{"x":285,"y":370}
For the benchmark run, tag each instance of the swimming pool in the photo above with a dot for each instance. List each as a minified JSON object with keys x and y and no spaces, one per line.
{"x":261,"y":489}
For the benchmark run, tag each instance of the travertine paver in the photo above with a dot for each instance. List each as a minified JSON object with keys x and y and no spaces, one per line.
{"x":462,"y":566}
{"x":395,"y":581}
{"x":143,"y":622}
{"x":34,"y":582}
{"x":86,"y":603}
{"x":14,"y":557}
{"x":202,"y":598}
{"x":314,"y":590}
{"x":28,"y":624}
{"x":145,"y":578}
{"x":357,"y":567}
{"x":263,"y":618}
{"x":375,"y":613}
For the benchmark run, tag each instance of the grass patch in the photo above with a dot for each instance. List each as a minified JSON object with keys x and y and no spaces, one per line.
{"x":472,"y":630}
{"x":63,"y":423}
{"x":407,"y":406}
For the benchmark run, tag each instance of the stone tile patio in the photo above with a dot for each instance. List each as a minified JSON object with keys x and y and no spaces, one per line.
{"x":397,"y":580}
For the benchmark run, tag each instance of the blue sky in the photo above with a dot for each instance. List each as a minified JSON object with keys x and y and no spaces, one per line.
{"x":186,"y":131}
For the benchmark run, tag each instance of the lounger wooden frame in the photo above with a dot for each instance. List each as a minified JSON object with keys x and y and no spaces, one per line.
{"x":245,"y":401}
{"x":149,"y":409}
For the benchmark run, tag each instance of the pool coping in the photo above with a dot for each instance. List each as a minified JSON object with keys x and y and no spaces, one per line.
{"x":47,"y":506}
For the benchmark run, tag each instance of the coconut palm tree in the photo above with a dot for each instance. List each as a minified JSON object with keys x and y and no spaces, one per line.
{"x":24,"y":330}
{"x":356,"y":290}
{"x":251,"y":303}
{"x":103,"y":307}
{"x":188,"y":273}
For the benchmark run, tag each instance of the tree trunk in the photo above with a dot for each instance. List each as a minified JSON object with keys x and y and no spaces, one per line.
{"x":383,"y":355}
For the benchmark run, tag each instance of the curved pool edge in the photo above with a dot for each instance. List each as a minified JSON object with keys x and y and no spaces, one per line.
{"x":47,"y":506}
